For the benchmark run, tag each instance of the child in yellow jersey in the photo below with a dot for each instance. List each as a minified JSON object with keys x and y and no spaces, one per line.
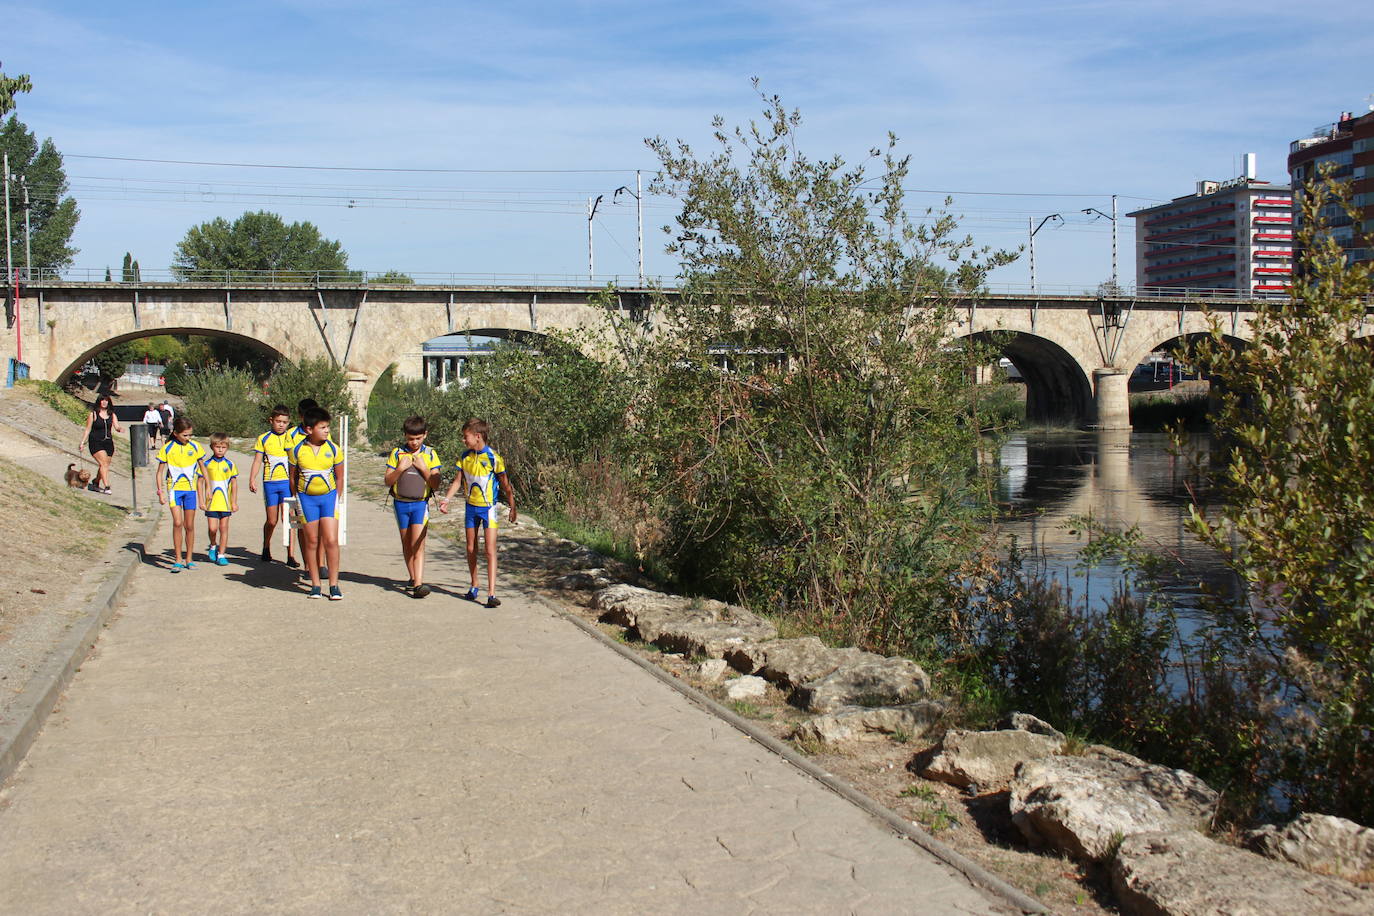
{"x":481,"y":473}
{"x":412,"y":473}
{"x":317,"y":476}
{"x":181,"y":466}
{"x":222,"y":491}
{"x":270,"y":453}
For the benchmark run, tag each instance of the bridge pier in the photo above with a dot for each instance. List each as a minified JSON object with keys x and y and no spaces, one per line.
{"x":1111,"y":400}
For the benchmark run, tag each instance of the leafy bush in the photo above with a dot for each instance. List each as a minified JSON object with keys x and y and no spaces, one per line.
{"x":394,"y":400}
{"x":227,"y":402}
{"x":53,"y":395}
{"x":319,"y":378}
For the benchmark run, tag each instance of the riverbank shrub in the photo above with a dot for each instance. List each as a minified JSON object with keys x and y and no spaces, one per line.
{"x":1297,"y":414}
{"x":51,"y":393}
{"x":228,"y":401}
{"x":797,"y":424}
{"x":319,"y":378}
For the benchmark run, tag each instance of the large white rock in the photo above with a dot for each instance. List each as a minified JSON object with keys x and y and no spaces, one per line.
{"x":1085,"y":805}
{"x":987,"y":760}
{"x":913,"y":720}
{"x":871,"y":681}
{"x":1320,"y":843}
{"x":1185,"y":874}
{"x":748,"y":687}
{"x":693,"y":626}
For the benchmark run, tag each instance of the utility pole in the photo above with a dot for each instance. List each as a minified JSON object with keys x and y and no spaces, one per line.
{"x":1030,"y":220}
{"x":28,"y":235}
{"x":9,"y":256}
{"x":638,"y":193}
{"x":1116,"y":286}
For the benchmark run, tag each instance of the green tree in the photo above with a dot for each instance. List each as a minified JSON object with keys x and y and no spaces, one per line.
{"x":111,"y":363}
{"x":1297,"y":412}
{"x":9,"y":87}
{"x":803,"y":417}
{"x":52,"y":215}
{"x":392,"y":276}
{"x":130,"y":271}
{"x":311,"y":378}
{"x":259,"y":244}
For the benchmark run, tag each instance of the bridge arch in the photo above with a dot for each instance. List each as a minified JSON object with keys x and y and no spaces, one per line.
{"x":72,"y":364}
{"x":1058,"y":391}
{"x":1141,"y":352}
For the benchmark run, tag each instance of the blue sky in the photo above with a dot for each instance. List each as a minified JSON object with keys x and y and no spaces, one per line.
{"x":1040,"y":109}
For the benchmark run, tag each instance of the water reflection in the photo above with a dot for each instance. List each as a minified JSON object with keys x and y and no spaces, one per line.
{"x":1120,"y":478}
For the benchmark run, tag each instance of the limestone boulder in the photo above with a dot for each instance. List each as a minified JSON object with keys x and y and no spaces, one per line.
{"x":695,"y":633}
{"x":585,"y":579}
{"x":1083,"y":806}
{"x":622,"y":604}
{"x":1321,"y":844}
{"x":1178,"y":873}
{"x":789,"y":663}
{"x":985,"y":761}
{"x":1024,"y":721}
{"x":852,"y":722}
{"x":713,"y":669}
{"x":870,"y":681}
{"x":747,"y":687}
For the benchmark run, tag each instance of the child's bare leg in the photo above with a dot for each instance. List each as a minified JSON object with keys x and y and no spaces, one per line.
{"x":416,"y":561}
{"x":491,"y":560}
{"x":472,"y":555}
{"x":309,"y":535}
{"x":223,"y":535}
{"x":178,"y":533}
{"x":329,"y":549}
{"x":270,"y":526}
{"x":189,"y":527}
{"x":212,"y":531}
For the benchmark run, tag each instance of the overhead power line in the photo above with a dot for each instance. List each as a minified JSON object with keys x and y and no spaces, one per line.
{"x":351,"y":168}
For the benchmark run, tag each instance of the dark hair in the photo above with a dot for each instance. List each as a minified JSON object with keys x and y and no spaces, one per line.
{"x":314,"y":416}
{"x":414,"y":426}
{"x":103,"y":396}
{"x":181,"y":423}
{"x":281,"y":410}
{"x":479,"y":426}
{"x":306,"y":405}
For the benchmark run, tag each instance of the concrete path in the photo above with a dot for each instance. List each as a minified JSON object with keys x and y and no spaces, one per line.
{"x":234,"y":747}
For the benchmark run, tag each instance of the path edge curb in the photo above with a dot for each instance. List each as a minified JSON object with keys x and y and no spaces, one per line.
{"x":43,"y":690}
{"x":976,"y":873}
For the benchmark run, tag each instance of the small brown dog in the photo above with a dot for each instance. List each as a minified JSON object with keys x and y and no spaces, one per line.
{"x":77,"y":477}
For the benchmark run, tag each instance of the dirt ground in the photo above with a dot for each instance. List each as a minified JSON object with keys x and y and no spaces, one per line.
{"x":57,"y":540}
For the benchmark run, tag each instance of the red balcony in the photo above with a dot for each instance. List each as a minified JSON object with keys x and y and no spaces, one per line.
{"x":1187,"y":214}
{"x":1198,"y":246}
{"x":1273,"y":254}
{"x":1273,"y":270}
{"x":1219,"y":224}
{"x":1274,"y":236}
{"x":1180,"y":265}
{"x":1191,"y":281}
{"x":1271,"y":202}
{"x":1272,"y":287}
{"x":1286,"y":220}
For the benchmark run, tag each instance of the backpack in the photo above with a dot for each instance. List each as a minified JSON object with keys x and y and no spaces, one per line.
{"x":413,"y":484}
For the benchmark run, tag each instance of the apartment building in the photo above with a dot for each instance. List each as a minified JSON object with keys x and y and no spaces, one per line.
{"x":1345,"y":148}
{"x":1234,"y":236}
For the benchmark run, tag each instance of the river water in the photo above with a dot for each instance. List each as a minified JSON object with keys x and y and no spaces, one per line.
{"x":1122,"y":479}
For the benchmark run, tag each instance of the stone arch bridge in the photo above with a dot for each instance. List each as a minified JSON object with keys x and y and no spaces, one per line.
{"x":1075,"y":352}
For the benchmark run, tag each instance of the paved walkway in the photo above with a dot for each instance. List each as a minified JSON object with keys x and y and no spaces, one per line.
{"x":234,"y":747}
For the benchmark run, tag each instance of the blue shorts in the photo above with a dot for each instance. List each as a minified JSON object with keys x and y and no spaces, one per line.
{"x":184,"y":499}
{"x":315,"y":508}
{"x":275,"y":491}
{"x":411,"y":512}
{"x":217,"y":514}
{"x":481,"y":516}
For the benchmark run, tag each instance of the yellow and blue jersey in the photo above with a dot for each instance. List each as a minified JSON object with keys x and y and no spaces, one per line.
{"x":274,"y":449}
{"x":182,"y":463}
{"x":427,"y":457}
{"x":316,"y":466}
{"x":219,"y":474}
{"x":479,"y":470}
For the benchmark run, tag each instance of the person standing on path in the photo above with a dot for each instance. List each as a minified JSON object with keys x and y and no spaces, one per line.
{"x":222,"y":497}
{"x":182,"y":466}
{"x":168,"y":415}
{"x":270,"y":457}
{"x":317,"y":476}
{"x":152,"y":419}
{"x":413,"y":475}
{"x":98,"y":437}
{"x":482,"y":474}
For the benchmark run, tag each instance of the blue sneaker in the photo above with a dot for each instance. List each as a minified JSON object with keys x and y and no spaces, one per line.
{"x":211,"y":554}
{"x":190,"y":565}
{"x":335,"y":594}
{"x":178,"y":567}
{"x":221,"y":560}
{"x":471,"y":595}
{"x":315,"y":592}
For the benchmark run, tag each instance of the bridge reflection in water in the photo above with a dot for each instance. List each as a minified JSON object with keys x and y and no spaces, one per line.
{"x":1122,"y":479}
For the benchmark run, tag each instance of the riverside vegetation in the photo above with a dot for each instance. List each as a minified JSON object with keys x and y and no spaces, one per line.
{"x":795,"y":434}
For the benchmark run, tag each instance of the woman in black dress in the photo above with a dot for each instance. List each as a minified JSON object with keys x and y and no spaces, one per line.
{"x":101,"y":425}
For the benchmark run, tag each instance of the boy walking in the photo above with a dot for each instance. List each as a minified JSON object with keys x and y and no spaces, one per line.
{"x":482,"y":475}
{"x":270,"y":453}
{"x":412,"y":473}
{"x":182,"y":467}
{"x":317,"y":476}
{"x":222,"y":497}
